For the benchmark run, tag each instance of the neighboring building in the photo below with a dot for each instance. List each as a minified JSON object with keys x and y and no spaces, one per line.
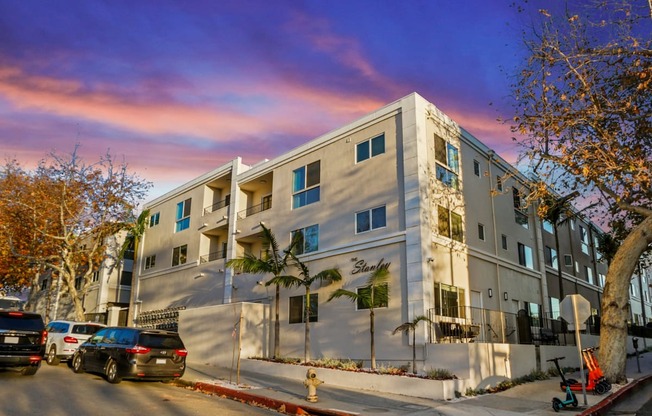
{"x":403,"y":188}
{"x":107,"y":298}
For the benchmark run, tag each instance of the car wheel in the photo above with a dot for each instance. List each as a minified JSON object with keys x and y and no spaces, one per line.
{"x":77,"y":363}
{"x":52,"y":359}
{"x":112,"y":372}
{"x":29,"y":371}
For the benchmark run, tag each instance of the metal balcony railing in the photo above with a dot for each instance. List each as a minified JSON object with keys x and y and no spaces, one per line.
{"x":212,"y":257}
{"x":218,"y":205}
{"x":255,"y":209}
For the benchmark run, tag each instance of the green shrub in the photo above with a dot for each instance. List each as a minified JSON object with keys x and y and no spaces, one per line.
{"x":440,"y":374}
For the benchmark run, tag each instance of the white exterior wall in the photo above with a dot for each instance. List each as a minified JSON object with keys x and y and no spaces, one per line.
{"x":402,"y":179}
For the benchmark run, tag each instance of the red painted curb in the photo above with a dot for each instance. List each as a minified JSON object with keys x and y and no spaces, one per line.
{"x":606,"y":404}
{"x":278,"y":405}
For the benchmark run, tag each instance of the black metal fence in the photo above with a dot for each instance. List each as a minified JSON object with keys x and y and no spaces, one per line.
{"x":467,"y":324}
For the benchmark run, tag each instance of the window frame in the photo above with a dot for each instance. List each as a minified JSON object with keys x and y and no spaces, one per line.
{"x":369,"y":144}
{"x":304,"y":240}
{"x":314,"y":311}
{"x":447,"y":162}
{"x":183,"y":215}
{"x":371,"y":219}
{"x":154,"y":219}
{"x":180,"y":253}
{"x":525,"y":256}
{"x":305,"y":191}
{"x":150,"y":262}
{"x":476,"y":168}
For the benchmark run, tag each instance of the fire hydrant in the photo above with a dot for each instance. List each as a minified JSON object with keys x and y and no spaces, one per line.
{"x":311,"y":382}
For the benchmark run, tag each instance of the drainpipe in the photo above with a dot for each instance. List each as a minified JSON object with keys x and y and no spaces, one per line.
{"x":491,"y":154}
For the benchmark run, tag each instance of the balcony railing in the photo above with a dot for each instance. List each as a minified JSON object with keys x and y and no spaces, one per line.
{"x":212,"y":256}
{"x":467,"y":324}
{"x":218,"y":205}
{"x":255,"y":209}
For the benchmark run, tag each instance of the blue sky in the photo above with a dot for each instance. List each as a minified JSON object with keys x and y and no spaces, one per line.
{"x":179,"y":87}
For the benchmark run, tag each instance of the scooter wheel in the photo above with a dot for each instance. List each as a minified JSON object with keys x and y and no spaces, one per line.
{"x":600,"y":388}
{"x":556,"y":404}
{"x":575,"y":402}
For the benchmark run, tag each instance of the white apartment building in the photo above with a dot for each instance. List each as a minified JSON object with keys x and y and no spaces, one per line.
{"x":403,"y":188}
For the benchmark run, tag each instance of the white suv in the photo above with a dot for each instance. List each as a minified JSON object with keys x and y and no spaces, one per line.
{"x":64,"y":337}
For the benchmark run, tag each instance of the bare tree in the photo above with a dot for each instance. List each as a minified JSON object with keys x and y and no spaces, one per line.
{"x":584,"y":112}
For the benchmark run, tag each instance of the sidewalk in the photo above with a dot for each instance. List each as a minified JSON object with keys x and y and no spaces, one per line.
{"x":289,"y":395}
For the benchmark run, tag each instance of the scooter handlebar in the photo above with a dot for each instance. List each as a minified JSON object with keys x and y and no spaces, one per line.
{"x":555,"y":359}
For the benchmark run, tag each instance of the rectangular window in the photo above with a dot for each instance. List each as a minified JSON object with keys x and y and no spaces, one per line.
{"x":370,"y":148}
{"x":379,"y":295}
{"x":305,"y":185}
{"x":555,"y":309}
{"x":499,"y":183}
{"x":568,"y":260}
{"x":150,"y":262}
{"x":125,"y":278}
{"x":551,"y":257}
{"x":96,"y":277}
{"x":370,"y":219}
{"x":481,"y":232}
{"x":179,"y":255}
{"x":308,"y":239}
{"x":450,"y":224}
{"x":476,"y":168}
{"x":601,"y":279}
{"x":525,"y":257}
{"x":520,"y":214}
{"x":449,"y":301}
{"x":584,"y":237}
{"x":448,"y":163}
{"x":504,"y":241}
{"x":589,"y":274}
{"x":153,"y":220}
{"x":548,"y":227}
{"x":298,"y":308}
{"x":183,"y":215}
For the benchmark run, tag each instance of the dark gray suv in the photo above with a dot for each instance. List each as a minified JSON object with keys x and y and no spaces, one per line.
{"x":22,"y":341}
{"x":136,"y":353}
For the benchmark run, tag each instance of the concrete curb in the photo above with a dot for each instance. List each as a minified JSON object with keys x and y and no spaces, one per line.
{"x":605,"y":405}
{"x":255,"y":399}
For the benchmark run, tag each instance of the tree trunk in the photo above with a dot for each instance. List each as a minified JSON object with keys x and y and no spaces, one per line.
{"x":277,"y":324}
{"x":373,"y":345}
{"x":615,"y":302}
{"x":414,"y":350}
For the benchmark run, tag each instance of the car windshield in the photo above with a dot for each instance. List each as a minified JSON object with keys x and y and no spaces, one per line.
{"x":14,"y":304}
{"x":160,"y":341}
{"x":20,"y":321}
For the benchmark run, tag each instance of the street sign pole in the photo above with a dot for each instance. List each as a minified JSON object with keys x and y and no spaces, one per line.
{"x":579,"y":348}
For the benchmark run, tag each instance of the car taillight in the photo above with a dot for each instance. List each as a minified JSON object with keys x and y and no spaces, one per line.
{"x":15,"y":313}
{"x":181,"y":353}
{"x":70,"y":340}
{"x":138,"y":349}
{"x":44,"y":337}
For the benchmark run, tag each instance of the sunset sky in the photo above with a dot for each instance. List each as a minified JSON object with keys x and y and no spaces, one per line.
{"x":178,"y":88}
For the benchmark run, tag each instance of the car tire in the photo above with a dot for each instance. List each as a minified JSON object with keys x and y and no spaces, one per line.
{"x":77,"y":364}
{"x":29,"y":371}
{"x":52,"y":358}
{"x":112,"y":372}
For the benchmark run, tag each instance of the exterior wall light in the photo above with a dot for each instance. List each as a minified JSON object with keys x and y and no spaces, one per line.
{"x":505,"y":296}
{"x":491,"y":292}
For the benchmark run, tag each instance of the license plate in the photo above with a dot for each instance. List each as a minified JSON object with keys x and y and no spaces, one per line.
{"x":161,"y":361}
{"x":11,"y":340}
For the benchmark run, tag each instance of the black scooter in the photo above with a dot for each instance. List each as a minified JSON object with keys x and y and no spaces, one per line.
{"x":571,"y":399}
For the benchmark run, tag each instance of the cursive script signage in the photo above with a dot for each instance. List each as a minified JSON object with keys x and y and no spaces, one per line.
{"x":361,"y":266}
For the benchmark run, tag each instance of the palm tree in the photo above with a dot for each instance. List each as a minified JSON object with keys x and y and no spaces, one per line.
{"x":412,"y":326}
{"x":273,"y":261}
{"x":325,"y":276}
{"x":373,"y":295}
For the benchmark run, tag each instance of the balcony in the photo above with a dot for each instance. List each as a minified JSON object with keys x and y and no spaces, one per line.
{"x":217,"y":206}
{"x":217,"y":255}
{"x":253,"y":210}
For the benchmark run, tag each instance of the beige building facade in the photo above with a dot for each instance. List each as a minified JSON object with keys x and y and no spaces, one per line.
{"x":403,"y":188}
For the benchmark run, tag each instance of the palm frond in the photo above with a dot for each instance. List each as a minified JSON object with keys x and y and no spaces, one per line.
{"x":339,"y":293}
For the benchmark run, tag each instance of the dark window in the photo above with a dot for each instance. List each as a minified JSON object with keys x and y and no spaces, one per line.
{"x":297,"y":308}
{"x":476,"y":168}
{"x":380,"y":296}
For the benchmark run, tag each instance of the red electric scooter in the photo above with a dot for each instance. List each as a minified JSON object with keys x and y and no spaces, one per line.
{"x":595,"y":380}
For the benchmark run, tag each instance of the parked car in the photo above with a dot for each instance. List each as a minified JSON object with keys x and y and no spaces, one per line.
{"x":64,"y":337}
{"x":135,"y":353}
{"x":22,"y":341}
{"x":11,"y":303}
